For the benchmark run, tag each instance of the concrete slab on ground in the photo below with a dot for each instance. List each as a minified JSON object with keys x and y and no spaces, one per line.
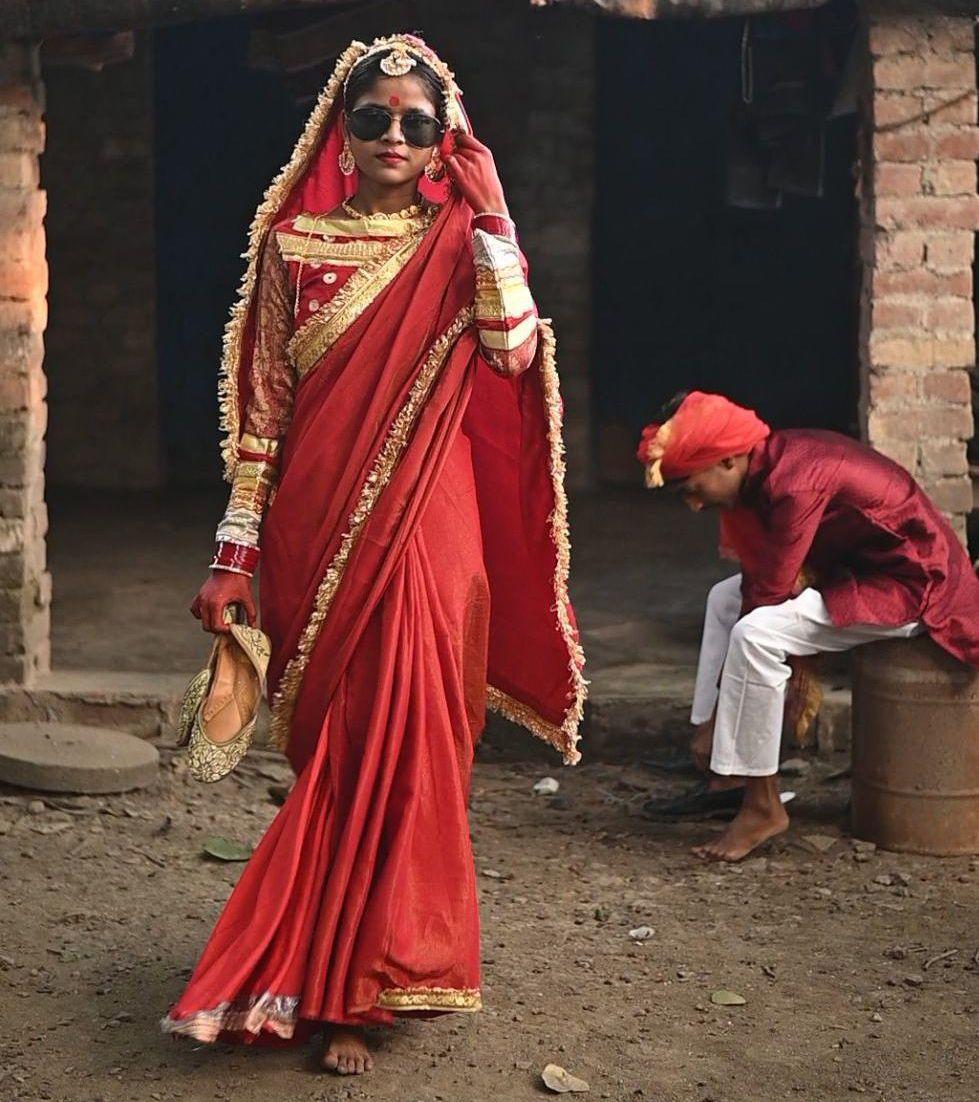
{"x":60,"y":757}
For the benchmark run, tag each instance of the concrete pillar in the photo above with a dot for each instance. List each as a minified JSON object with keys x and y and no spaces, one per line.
{"x":25,"y":585}
{"x":919,"y":215}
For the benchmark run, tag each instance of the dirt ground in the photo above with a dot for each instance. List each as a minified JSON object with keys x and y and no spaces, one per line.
{"x":859,"y":969}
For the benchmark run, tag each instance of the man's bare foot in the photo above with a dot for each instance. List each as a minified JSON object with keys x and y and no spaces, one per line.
{"x":346,"y":1052}
{"x":761,"y":817}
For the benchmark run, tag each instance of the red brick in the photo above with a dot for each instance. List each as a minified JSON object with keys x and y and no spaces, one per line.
{"x":904,"y":425}
{"x":951,"y":178}
{"x":951,"y":495}
{"x":910,"y":353}
{"x":949,"y":72}
{"x":22,"y":391}
{"x":921,"y":281}
{"x":943,"y":457}
{"x":946,"y":421}
{"x":950,"y":313}
{"x":962,"y":109}
{"x":950,"y":33}
{"x":24,"y":206}
{"x":19,"y":170}
{"x":960,"y":212}
{"x":24,"y":315}
{"x":888,"y":314}
{"x":902,"y":145}
{"x":894,"y":251}
{"x":22,"y":131}
{"x":894,"y":37}
{"x":960,"y":144}
{"x":890,"y":388}
{"x":22,"y":281}
{"x":950,"y":252}
{"x":23,"y":244}
{"x":893,"y":108}
{"x":21,"y":351}
{"x":947,"y":386}
{"x":899,"y":71}
{"x":955,"y":351}
{"x":897,"y":179}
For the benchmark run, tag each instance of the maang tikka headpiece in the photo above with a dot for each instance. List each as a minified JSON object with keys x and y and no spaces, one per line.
{"x":398,"y":62}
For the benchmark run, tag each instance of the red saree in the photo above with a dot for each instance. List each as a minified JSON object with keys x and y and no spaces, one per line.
{"x":414,"y":571}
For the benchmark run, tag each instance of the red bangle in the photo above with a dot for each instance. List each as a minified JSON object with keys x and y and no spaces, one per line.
{"x":495,"y":224}
{"x":235,"y":557}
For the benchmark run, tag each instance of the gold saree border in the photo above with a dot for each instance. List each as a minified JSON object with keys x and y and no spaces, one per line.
{"x":276,"y":193}
{"x":460,"y":999}
{"x":284,"y":701}
{"x":311,"y":342}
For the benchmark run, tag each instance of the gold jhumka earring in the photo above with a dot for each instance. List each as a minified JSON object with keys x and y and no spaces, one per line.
{"x":346,"y":158}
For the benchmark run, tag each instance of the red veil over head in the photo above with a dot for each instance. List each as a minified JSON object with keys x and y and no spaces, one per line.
{"x":368,"y":435}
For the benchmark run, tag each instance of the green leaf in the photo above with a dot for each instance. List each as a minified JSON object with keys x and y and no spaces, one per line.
{"x":224,"y":849}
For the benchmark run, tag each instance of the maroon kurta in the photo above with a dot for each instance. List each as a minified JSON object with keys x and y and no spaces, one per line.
{"x":881,"y":551}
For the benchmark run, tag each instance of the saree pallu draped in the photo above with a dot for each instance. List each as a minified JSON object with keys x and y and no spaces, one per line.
{"x":414,"y":571}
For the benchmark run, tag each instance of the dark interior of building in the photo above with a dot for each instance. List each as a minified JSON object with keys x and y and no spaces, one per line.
{"x":758,"y":300}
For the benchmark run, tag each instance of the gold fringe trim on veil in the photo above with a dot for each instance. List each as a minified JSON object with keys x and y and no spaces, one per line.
{"x":564,"y":737}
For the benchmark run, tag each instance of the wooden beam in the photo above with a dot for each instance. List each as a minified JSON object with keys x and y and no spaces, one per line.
{"x":37,"y":19}
{"x":296,"y":47}
{"x":88,"y":51}
{"x":712,"y":9}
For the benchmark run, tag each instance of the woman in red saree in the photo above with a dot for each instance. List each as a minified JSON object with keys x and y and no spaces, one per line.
{"x":394,"y":446}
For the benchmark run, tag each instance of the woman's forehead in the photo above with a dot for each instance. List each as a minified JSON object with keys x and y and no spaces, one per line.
{"x":406,"y":92}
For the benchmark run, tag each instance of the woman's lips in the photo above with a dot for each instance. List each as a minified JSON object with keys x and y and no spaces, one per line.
{"x":391,"y":158}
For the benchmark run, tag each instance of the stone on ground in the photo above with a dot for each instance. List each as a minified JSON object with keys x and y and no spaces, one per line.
{"x":62,"y":757}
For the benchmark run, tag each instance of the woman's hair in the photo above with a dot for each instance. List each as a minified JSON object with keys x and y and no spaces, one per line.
{"x":365,"y":75}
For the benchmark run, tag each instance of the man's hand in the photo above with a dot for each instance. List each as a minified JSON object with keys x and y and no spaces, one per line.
{"x":223,"y":588}
{"x":701,"y":745}
{"x":471,"y":168}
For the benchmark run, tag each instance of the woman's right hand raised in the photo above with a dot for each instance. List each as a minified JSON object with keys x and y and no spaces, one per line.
{"x":223,"y":588}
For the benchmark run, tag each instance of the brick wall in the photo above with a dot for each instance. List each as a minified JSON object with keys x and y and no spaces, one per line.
{"x":919,"y":214}
{"x":101,"y":361}
{"x":528,"y":76}
{"x":25,"y":585}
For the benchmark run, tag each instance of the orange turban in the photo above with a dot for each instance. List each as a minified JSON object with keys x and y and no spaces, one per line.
{"x":704,"y":430}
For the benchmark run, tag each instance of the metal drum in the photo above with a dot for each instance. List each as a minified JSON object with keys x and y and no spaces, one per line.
{"x":915,"y":749}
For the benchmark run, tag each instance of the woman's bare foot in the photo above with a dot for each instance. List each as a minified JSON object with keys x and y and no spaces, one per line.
{"x":761,"y":817}
{"x":346,"y":1051}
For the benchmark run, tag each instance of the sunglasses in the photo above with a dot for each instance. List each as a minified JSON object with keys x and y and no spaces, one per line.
{"x":367,"y":124}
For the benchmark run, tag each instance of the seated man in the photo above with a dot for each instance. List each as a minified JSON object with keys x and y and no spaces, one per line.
{"x":838,"y":546}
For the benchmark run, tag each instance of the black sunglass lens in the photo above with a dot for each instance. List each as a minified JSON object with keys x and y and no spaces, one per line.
{"x":367,"y":124}
{"x":421,"y":130}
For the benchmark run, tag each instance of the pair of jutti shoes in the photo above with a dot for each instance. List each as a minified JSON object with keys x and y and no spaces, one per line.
{"x":220,"y":706}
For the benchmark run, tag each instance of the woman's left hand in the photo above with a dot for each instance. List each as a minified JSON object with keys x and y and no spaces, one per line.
{"x":471,"y":168}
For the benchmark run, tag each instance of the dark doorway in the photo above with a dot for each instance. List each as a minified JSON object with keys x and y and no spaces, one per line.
{"x":692,"y":292}
{"x":223,"y":131}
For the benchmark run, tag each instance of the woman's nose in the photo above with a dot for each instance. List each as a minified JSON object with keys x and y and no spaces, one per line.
{"x":393,"y":133}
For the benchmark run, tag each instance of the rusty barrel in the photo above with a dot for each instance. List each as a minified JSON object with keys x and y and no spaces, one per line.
{"x":915,"y":749}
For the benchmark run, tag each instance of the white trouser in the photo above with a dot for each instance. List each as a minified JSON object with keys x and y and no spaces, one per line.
{"x":748,"y":656}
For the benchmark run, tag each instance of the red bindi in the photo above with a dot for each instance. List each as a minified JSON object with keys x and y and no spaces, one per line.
{"x":394,"y":101}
